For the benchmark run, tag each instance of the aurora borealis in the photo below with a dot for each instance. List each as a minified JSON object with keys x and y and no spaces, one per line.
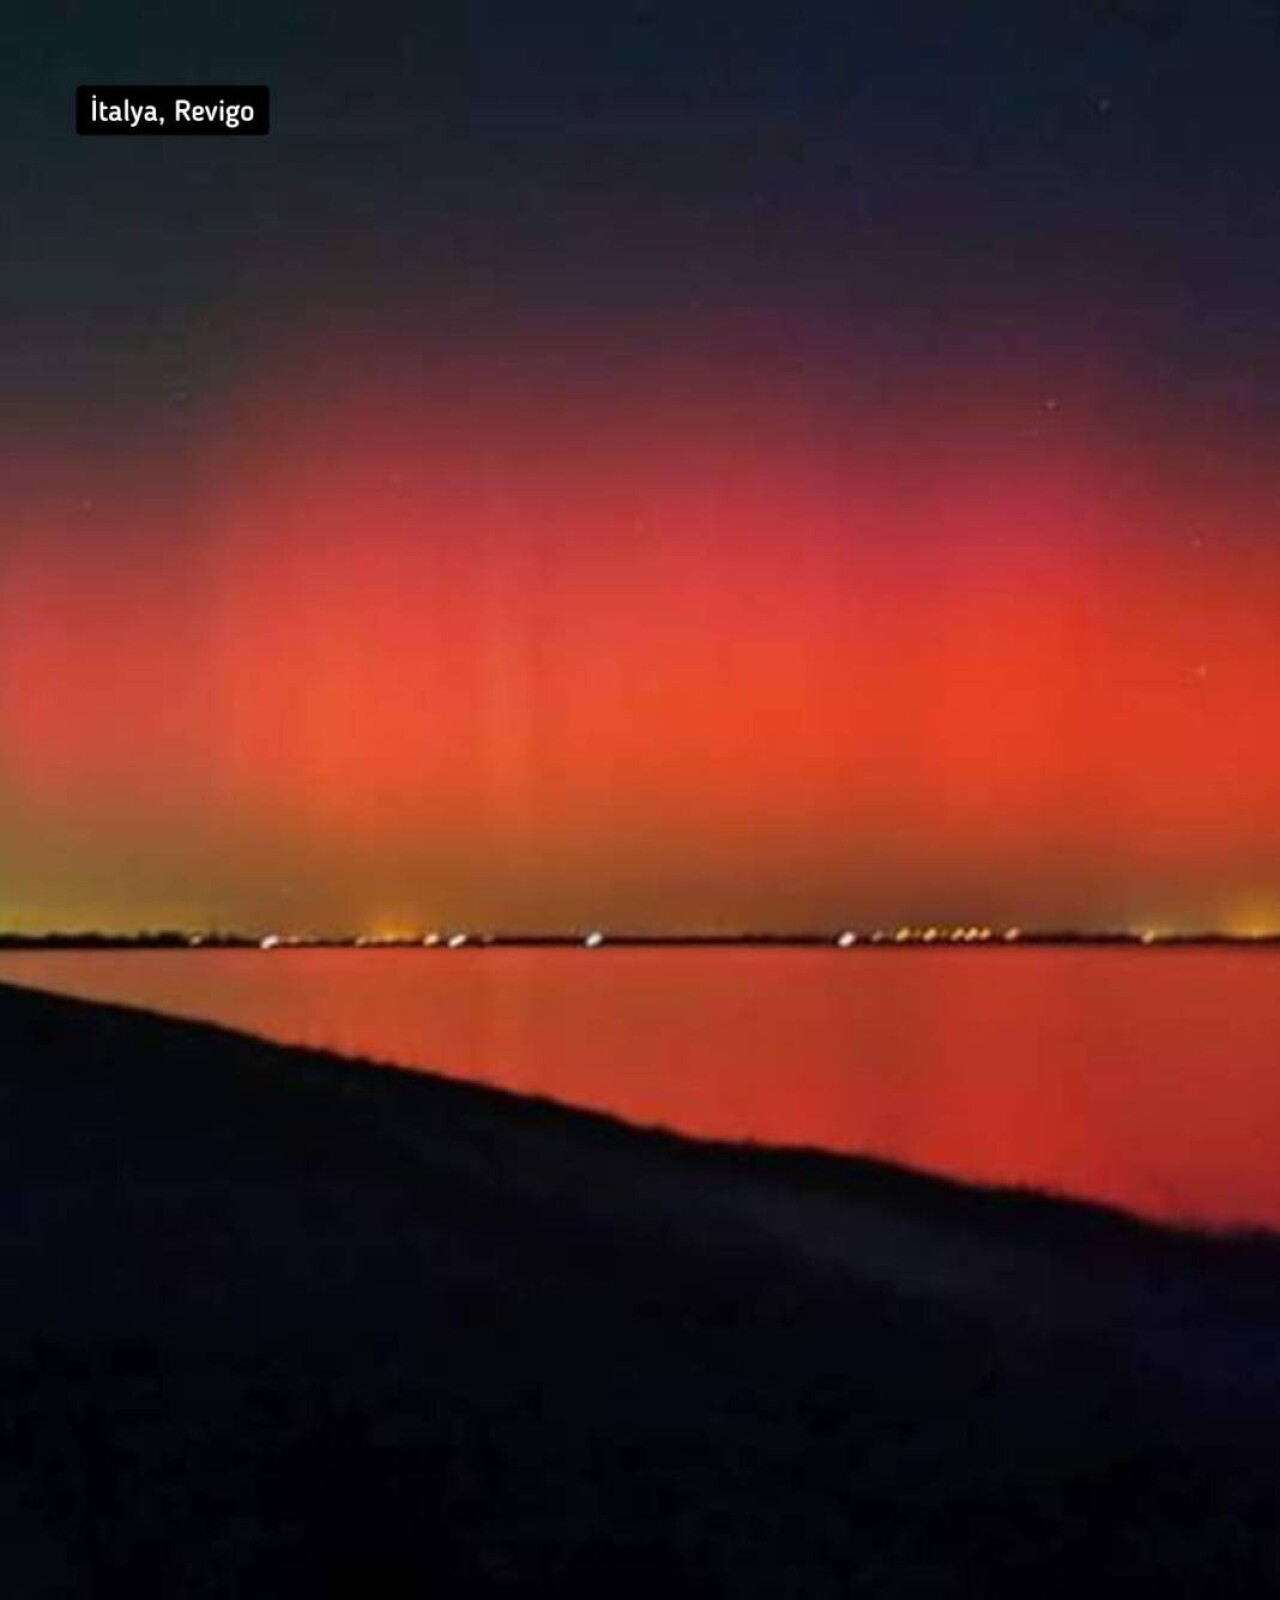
{"x":797,"y":505}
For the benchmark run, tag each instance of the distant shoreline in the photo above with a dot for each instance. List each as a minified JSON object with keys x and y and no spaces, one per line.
{"x":876,"y":940}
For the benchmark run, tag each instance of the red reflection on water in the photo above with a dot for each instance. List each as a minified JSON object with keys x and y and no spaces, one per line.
{"x":1144,"y":1078}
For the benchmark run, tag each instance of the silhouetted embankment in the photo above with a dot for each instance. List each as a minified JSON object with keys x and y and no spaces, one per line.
{"x":280,"y":1323}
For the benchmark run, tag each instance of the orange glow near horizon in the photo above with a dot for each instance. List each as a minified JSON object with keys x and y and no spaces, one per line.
{"x":688,"y":654}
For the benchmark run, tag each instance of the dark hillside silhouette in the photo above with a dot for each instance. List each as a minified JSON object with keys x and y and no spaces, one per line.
{"x":281,"y":1323}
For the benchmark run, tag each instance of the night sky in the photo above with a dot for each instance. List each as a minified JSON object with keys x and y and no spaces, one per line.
{"x":647,"y":466}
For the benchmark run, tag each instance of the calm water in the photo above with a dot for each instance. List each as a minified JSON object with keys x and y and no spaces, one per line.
{"x":1148,"y":1078}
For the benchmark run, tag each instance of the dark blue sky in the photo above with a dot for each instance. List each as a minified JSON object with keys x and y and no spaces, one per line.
{"x":1132,"y":142}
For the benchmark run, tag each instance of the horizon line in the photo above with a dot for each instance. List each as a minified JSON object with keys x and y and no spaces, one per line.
{"x":899,"y":937}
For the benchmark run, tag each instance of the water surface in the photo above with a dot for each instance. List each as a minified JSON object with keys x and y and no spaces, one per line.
{"x":1148,"y":1078}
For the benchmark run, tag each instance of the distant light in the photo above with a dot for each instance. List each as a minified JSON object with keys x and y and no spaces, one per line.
{"x":195,"y":939}
{"x":593,"y":941}
{"x":1254,"y":920}
{"x":431,"y":940}
{"x":847,"y":939}
{"x":457,"y":941}
{"x":929,"y":935}
{"x":1149,"y":936}
{"x":270,"y":942}
{"x":1012,"y":935}
{"x":902,"y":935}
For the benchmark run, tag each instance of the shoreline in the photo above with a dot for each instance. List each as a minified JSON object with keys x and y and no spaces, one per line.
{"x":277,"y":1316}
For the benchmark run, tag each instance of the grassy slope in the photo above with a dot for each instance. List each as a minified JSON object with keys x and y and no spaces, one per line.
{"x":276,"y":1321}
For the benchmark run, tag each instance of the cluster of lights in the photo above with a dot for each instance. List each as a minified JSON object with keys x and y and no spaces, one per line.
{"x":931,"y":935}
{"x":593,"y":940}
{"x":364,"y":941}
